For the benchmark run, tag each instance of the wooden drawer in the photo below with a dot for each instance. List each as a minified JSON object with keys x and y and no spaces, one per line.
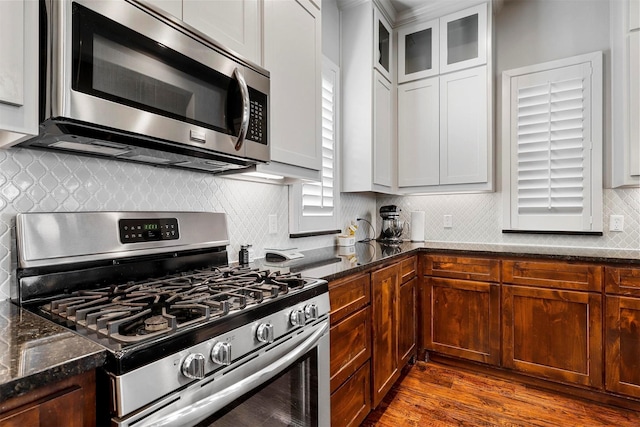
{"x":350,"y":346}
{"x":348,"y":295}
{"x":408,"y":268}
{"x":622,"y":281}
{"x":550,"y":274}
{"x":351,"y":403}
{"x":459,"y":267}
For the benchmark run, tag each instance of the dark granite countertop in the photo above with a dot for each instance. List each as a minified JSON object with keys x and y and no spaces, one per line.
{"x":334,"y":262}
{"x":35,"y":352}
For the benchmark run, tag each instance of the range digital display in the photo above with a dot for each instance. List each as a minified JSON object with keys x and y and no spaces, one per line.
{"x":148,"y":230}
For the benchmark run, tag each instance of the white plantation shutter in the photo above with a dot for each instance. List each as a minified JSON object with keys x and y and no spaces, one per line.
{"x":317,"y":197}
{"x":555,"y":141}
{"x":314,"y":203}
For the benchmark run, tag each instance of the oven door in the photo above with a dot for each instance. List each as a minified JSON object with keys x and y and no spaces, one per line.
{"x":285,"y":385}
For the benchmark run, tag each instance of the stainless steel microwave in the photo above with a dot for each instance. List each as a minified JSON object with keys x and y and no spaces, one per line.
{"x":122,"y":79}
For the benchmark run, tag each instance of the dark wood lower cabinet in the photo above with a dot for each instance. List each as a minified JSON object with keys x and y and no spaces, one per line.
{"x":351,"y":402}
{"x":407,"y":321}
{"x":623,"y":345}
{"x":462,"y":319}
{"x":384,"y":342}
{"x":553,"y":334}
{"x":69,"y":403}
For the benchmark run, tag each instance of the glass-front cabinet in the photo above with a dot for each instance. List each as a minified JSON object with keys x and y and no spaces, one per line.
{"x":382,"y":44}
{"x":463,"y":39}
{"x":418,"y":51}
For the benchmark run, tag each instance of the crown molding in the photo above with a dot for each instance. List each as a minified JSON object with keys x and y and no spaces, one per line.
{"x":435,"y":9}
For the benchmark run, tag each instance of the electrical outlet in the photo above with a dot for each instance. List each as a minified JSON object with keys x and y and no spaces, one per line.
{"x":448,"y":221}
{"x":616,"y":223}
{"x":273,"y":224}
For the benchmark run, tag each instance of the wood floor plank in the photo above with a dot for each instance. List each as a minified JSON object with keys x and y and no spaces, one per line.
{"x":435,"y":395}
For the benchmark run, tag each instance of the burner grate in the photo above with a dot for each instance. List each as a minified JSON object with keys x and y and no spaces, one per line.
{"x":136,"y":311}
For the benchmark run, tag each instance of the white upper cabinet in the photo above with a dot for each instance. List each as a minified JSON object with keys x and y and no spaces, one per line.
{"x":634,"y":15}
{"x":236,"y":24}
{"x":18,"y":71}
{"x":368,"y":149}
{"x":418,"y":133}
{"x":383,"y":152}
{"x":625,"y":93}
{"x":382,"y":44}
{"x":463,"y":39}
{"x":445,"y":108}
{"x":418,"y":51}
{"x":293,"y":56}
{"x":463,"y":127}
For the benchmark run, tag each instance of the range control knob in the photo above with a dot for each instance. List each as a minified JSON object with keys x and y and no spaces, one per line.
{"x":221,"y":353}
{"x":311,"y":312}
{"x":193,"y":366}
{"x":264,"y":333}
{"x":297,"y":318}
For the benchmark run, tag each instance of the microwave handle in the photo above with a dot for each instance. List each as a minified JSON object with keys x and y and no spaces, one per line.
{"x":244,"y":92}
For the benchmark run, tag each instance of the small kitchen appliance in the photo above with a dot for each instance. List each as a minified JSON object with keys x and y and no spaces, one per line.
{"x":190,"y":340}
{"x":392,"y":226}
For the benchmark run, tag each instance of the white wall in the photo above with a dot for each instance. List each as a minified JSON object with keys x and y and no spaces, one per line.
{"x":331,"y":30}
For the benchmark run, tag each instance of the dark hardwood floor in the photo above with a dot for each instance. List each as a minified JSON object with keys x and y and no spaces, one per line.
{"x":431,"y":394}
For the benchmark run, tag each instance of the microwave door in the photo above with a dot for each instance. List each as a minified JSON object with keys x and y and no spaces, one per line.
{"x":123,"y":79}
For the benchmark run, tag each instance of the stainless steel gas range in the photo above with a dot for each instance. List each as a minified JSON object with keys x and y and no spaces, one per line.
{"x":190,"y":340}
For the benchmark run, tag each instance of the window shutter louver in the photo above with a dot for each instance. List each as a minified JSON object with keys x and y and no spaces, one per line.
{"x":551,"y":140}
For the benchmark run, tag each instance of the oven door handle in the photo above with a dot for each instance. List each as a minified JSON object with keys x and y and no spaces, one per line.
{"x":244,"y":92}
{"x":202,"y":409}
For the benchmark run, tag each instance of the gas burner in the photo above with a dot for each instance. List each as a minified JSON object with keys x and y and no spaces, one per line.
{"x":136,"y":311}
{"x":155,"y":323}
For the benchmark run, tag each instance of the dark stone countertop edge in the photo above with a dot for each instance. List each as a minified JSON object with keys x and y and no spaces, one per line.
{"x":50,"y":375}
{"x":35,"y":352}
{"x":407,"y":248}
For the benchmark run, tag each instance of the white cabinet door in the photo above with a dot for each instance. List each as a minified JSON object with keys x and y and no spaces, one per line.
{"x":634,"y":15}
{"x":233,"y":23}
{"x":173,"y":7}
{"x":18,"y":71}
{"x":418,"y":133}
{"x":463,"y":127}
{"x":292,"y":54}
{"x":463,"y":39}
{"x":382,"y":44}
{"x":418,"y":51}
{"x":382,"y":150}
{"x":634,"y":103}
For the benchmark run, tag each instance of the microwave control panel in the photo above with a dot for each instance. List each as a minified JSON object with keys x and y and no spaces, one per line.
{"x":148,"y":230}
{"x":257,"y":117}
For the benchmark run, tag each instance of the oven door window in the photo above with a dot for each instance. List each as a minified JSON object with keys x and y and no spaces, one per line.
{"x":113,"y":62}
{"x":290,"y":399}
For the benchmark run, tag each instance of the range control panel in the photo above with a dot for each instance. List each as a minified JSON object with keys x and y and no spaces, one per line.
{"x":148,"y":230}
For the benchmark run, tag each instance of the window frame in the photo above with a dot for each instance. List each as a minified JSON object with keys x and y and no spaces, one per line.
{"x":592,"y":182}
{"x":299,"y":224}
